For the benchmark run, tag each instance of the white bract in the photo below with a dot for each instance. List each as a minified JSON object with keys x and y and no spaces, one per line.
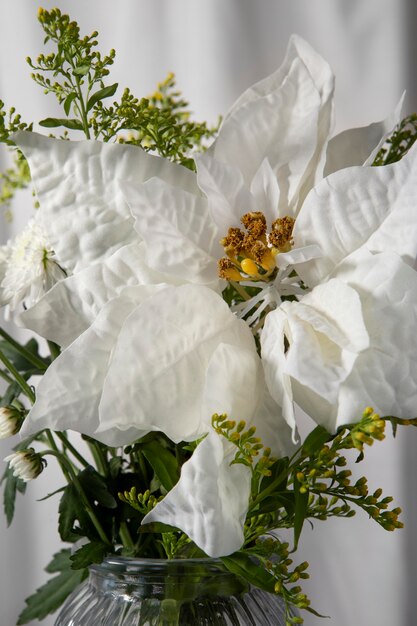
{"x":149,"y":343}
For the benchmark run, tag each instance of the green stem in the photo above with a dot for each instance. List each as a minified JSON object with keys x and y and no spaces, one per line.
{"x":63,"y":464}
{"x":18,"y":377}
{"x":7,"y":378}
{"x":32,"y":358}
{"x":68,"y":445}
{"x":82,"y":108}
{"x":99,"y":458}
{"x":242,"y":292}
{"x":126,"y":537}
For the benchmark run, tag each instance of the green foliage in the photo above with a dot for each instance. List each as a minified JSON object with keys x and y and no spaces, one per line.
{"x":75,"y":72}
{"x":399,"y":143}
{"x":285,"y":492}
{"x":12,"y":485}
{"x":14,"y":178}
{"x":48,"y":598}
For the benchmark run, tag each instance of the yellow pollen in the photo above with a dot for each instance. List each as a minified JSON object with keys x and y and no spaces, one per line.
{"x":280,"y":236}
{"x":228,"y":271}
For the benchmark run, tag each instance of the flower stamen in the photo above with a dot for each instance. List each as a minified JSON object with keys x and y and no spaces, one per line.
{"x":251,"y":252}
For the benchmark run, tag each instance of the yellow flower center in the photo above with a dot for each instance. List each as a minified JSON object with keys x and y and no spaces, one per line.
{"x":251,"y":251}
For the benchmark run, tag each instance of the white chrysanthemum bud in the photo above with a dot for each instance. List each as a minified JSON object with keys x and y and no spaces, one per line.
{"x":28,"y":267}
{"x":26,"y":464}
{"x":11,"y":420}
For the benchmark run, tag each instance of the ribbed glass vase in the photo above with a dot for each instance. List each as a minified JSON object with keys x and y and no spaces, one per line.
{"x":144,"y":592}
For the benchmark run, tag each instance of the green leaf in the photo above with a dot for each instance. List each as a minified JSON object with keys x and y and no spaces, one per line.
{"x":54,"y":122}
{"x":316,"y":440}
{"x":53,"y":493}
{"x":68,"y":101}
{"x":93,"y":552}
{"x":21,"y":363}
{"x":279,"y":475}
{"x":246,"y":567}
{"x":163,"y":463}
{"x":106,"y":92}
{"x":81,"y":70}
{"x":71,"y":510}
{"x":48,"y":598}
{"x":301,"y":505}
{"x":60,"y":561}
{"x":12,"y":486}
{"x":96,"y":488}
{"x":13,"y":391}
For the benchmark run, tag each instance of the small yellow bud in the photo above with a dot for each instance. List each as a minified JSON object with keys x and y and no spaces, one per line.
{"x":249,"y":267}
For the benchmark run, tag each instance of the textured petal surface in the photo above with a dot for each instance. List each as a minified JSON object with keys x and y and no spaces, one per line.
{"x":180,"y":236}
{"x":372,"y":207}
{"x":286,"y":118}
{"x":281,"y":126}
{"x":224,"y":186}
{"x":83,"y":211}
{"x":385,"y":375}
{"x":80,"y":297}
{"x":211,"y":499}
{"x":69,"y":392}
{"x":157,"y":375}
{"x":234,"y":384}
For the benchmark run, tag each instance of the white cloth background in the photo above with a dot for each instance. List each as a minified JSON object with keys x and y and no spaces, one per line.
{"x":361,"y":575}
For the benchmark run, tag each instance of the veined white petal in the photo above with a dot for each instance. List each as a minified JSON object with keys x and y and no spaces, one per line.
{"x":80,"y":297}
{"x":83,"y":211}
{"x":289,"y":115}
{"x":304,"y":77}
{"x":266,"y":193}
{"x":327,"y":333}
{"x":228,"y":198}
{"x":273,"y":358}
{"x":234,"y":384}
{"x":385,"y":375}
{"x":370,"y":207}
{"x":157,"y":374}
{"x":69,"y":392}
{"x":211,"y":499}
{"x":180,"y":236}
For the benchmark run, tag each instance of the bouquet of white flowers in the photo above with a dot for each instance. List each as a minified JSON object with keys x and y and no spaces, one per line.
{"x":193,"y":285}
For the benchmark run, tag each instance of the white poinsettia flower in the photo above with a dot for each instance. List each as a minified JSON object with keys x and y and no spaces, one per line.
{"x":152,"y":346}
{"x":28,"y":268}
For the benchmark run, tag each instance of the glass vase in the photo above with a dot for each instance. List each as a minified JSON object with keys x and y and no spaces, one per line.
{"x":149,"y":592}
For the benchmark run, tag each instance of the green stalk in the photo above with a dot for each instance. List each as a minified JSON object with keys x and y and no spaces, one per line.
{"x":18,"y":377}
{"x":32,"y":358}
{"x":7,"y":378}
{"x":125,"y":536}
{"x":68,"y":445}
{"x":82,"y":108}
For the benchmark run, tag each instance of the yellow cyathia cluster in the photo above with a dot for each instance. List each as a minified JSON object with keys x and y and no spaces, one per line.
{"x":251,"y":252}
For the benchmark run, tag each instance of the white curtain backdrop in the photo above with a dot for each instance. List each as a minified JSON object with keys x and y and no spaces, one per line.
{"x":361,"y":575}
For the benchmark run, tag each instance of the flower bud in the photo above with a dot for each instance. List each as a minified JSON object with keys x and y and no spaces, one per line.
{"x":11,"y":420}
{"x":26,"y":464}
